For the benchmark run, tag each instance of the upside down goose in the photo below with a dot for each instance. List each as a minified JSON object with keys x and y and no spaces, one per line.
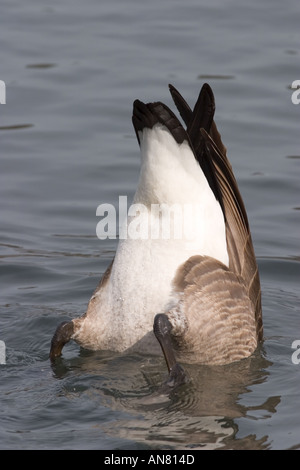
{"x":197,"y":296}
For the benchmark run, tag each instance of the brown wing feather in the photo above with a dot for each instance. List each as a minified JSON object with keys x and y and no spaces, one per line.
{"x":218,"y":326}
{"x":242,"y":259}
{"x":239,"y":242}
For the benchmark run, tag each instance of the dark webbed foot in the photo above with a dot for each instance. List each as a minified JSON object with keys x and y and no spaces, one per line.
{"x":62,"y":335}
{"x":162,"y":330}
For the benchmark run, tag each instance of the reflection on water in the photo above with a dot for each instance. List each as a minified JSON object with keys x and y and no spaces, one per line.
{"x":41,"y":66}
{"x":15,"y":127}
{"x":203,"y":414}
{"x":216,"y":77}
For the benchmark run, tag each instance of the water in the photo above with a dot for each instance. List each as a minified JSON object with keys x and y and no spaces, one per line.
{"x":72,"y":71}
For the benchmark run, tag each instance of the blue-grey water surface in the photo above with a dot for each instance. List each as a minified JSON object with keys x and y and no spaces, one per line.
{"x":72,"y":70}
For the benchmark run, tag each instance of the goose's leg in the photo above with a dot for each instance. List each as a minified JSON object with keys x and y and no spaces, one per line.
{"x":162,"y":330}
{"x":62,"y":335}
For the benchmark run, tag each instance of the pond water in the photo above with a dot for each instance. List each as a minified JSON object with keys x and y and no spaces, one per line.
{"x":72,"y":70}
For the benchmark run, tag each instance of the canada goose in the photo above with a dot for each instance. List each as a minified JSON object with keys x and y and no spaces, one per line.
{"x":198,"y":295}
